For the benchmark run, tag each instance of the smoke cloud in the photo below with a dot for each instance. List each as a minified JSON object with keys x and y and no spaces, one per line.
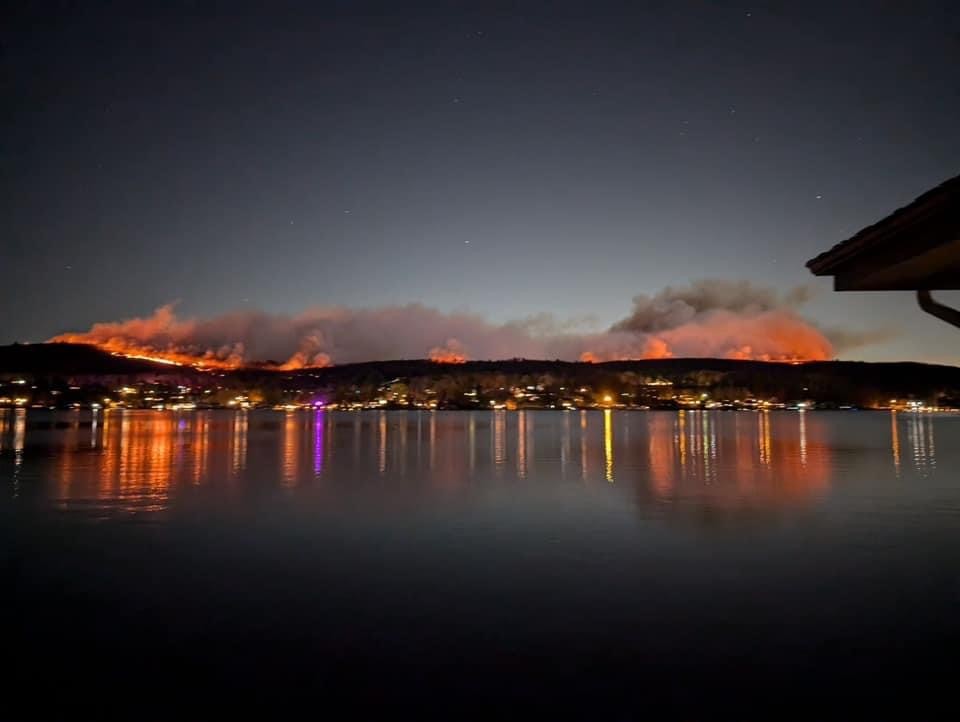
{"x":706,"y":318}
{"x":675,"y":307}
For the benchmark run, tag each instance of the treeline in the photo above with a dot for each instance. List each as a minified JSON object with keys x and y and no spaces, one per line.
{"x":62,"y":366}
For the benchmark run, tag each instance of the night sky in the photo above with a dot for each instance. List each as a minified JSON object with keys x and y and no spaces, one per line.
{"x":506,"y":158}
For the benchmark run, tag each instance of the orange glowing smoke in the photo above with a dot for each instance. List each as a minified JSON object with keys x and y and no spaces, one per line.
{"x":718,"y":318}
{"x":769,"y":336}
{"x":162,"y":338}
{"x":304,"y":360}
{"x":451,"y":353}
{"x":711,"y":318}
{"x":634,"y":348}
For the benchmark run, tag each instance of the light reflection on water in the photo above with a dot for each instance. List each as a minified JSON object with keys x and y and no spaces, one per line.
{"x":602,"y":549}
{"x":139,"y":461}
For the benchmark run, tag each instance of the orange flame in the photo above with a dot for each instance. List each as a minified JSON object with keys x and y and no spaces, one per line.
{"x":206,"y":361}
{"x":451,"y":353}
{"x":301,"y":360}
{"x":143,"y":352}
{"x":447,"y":358}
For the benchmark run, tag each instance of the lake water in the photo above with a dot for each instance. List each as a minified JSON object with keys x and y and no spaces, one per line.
{"x":585,"y":564}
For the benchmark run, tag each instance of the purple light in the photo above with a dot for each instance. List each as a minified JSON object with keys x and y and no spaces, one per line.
{"x":319,"y":421}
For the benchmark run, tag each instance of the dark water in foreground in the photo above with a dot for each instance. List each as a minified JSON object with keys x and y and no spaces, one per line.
{"x":598,"y":565}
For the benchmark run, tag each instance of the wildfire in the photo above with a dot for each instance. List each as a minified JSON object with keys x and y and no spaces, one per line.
{"x":452,"y":353}
{"x":154,"y":359}
{"x":301,"y":360}
{"x":207,"y":361}
{"x":706,"y":319}
{"x":448,"y":358}
{"x":169,"y":357}
{"x":658,"y":349}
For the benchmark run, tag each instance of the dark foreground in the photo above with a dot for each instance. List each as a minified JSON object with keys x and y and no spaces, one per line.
{"x":497,"y":565}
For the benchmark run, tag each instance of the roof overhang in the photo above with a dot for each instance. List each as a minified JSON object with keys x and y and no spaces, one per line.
{"x":915,"y":248}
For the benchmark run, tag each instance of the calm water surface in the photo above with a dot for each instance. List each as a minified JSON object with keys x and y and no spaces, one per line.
{"x":589,"y":564}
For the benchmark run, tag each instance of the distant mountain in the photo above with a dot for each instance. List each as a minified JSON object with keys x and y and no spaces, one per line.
{"x":855,"y":382}
{"x":734,"y":371}
{"x":69,"y":358}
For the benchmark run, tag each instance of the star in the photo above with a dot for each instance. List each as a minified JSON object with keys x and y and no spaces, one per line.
{"x":819,"y":196}
{"x":467,"y":242}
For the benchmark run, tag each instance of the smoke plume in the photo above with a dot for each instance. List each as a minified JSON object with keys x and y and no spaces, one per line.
{"x":707,"y":318}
